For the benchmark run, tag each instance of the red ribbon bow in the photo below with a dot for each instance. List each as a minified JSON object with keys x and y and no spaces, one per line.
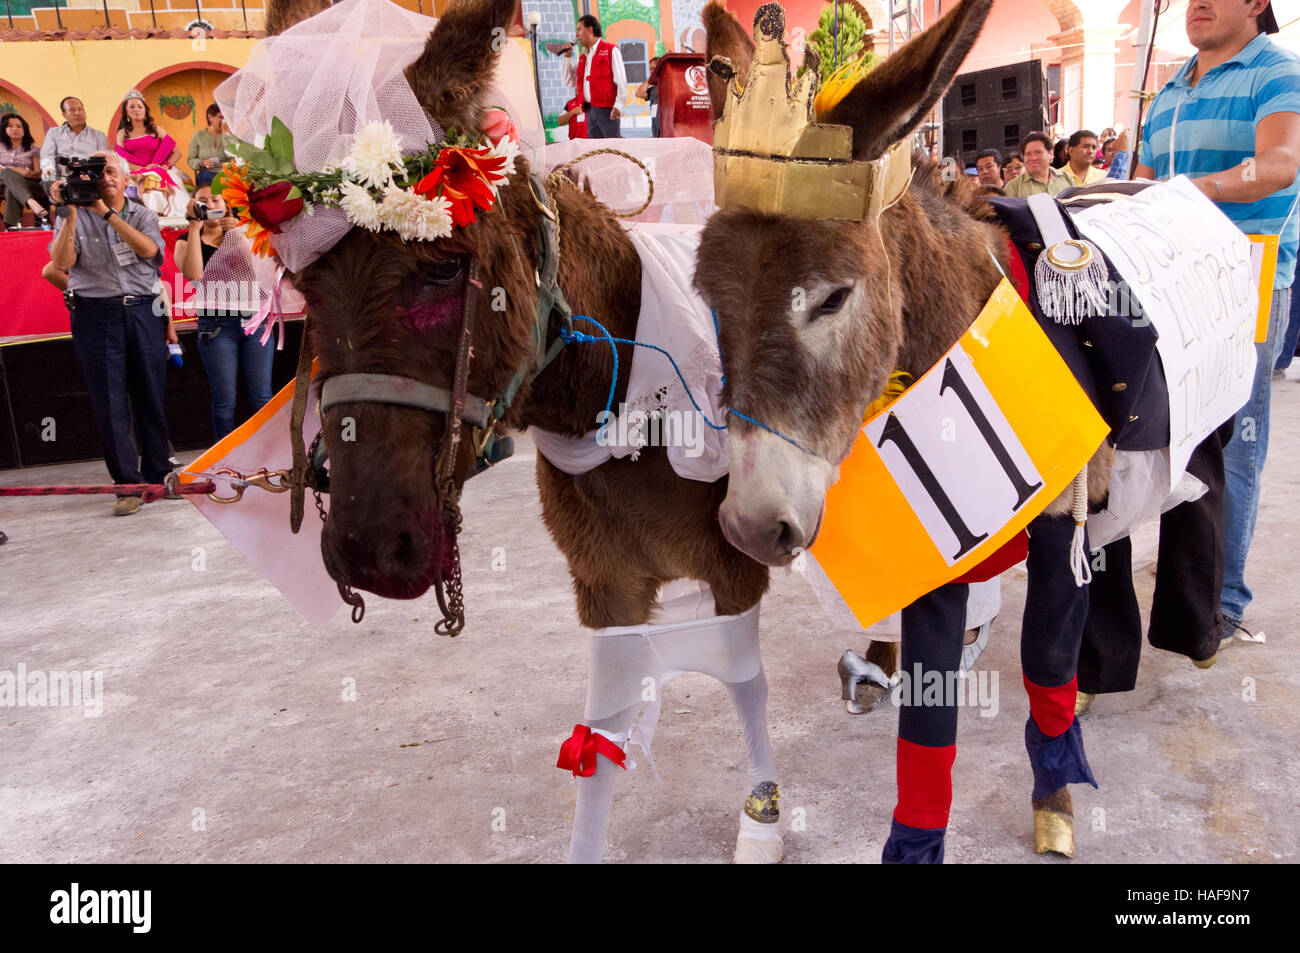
{"x":578,"y":753}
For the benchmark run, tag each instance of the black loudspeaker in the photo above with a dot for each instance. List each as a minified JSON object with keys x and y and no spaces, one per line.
{"x":43,"y":396}
{"x":994,"y":109}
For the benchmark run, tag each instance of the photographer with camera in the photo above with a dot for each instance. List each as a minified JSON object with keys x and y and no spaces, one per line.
{"x":112,"y":250}
{"x":223,"y":346}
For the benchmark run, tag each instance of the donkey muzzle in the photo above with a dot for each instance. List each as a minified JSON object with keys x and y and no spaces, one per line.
{"x":775,"y":496}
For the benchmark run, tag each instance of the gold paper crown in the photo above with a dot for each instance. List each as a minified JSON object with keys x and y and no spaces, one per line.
{"x":770,"y":155}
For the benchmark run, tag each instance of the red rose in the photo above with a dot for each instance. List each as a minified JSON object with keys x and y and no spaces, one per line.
{"x":275,"y":204}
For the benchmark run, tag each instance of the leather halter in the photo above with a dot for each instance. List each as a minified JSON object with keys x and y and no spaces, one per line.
{"x":457,"y":404}
{"x":482,"y":415}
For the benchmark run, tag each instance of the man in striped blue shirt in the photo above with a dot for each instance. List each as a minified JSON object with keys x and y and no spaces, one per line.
{"x":1230,"y":121}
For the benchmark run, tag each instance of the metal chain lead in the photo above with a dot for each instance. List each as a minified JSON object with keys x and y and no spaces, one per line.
{"x":452,"y":602}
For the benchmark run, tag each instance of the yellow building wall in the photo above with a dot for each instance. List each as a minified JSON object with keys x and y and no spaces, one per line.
{"x":99,"y":72}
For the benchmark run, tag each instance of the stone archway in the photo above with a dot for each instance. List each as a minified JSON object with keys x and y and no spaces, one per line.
{"x":1087,"y":42}
{"x":1067,"y":13}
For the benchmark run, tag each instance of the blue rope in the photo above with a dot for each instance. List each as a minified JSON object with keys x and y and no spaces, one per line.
{"x":579,"y":337}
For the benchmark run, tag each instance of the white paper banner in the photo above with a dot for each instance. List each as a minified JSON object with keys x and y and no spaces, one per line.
{"x":1189,"y":267}
{"x":258,"y":525}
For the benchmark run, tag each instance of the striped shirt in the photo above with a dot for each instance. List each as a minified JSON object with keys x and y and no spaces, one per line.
{"x":1211,"y":127}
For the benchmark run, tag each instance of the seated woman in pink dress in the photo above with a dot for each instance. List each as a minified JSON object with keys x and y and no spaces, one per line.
{"x":151,"y":154}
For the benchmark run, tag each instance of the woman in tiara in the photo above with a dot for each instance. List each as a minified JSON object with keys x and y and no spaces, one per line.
{"x":151,"y":154}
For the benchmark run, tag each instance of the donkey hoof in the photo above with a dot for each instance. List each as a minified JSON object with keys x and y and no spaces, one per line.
{"x":759,"y":840}
{"x":862,"y":683}
{"x":1206,"y":662}
{"x":1054,"y":824}
{"x":868,"y":697}
{"x":1082,"y":703}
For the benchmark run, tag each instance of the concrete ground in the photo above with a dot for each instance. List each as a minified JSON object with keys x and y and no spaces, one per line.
{"x":225,"y":735}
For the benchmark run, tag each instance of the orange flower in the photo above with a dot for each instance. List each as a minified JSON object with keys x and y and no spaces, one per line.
{"x":261,"y":237}
{"x":234,"y":185}
{"x":464,"y":178}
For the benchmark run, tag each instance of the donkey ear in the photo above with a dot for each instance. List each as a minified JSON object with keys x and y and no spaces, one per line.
{"x":891,"y":100}
{"x":727,"y":39}
{"x":282,"y":14}
{"x":459,"y":60}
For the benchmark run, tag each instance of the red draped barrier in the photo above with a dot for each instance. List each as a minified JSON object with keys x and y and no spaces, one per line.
{"x":32,"y":305}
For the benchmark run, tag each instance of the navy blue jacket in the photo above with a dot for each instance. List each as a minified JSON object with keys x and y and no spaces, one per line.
{"x":1113,"y":357}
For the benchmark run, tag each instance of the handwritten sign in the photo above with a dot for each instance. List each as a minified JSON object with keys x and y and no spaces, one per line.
{"x":1190,"y":269}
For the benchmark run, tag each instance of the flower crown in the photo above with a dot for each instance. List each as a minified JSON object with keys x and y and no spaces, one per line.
{"x":420,"y":196}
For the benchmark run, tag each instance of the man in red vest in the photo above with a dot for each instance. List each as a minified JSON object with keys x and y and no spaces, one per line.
{"x":600,"y":80}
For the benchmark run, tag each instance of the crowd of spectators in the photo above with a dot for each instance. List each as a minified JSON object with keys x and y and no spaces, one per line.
{"x":107,"y":256}
{"x":1041,"y":165}
{"x":29,"y":161}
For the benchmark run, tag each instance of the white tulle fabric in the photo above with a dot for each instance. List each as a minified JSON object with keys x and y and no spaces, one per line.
{"x":682,"y":170}
{"x":328,"y":76}
{"x":236,"y":279}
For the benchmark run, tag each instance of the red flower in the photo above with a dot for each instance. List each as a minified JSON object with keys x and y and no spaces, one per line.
{"x":464,"y":178}
{"x":275,"y":204}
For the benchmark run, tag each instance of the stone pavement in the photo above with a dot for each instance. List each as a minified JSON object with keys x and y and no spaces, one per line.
{"x":225,"y":734}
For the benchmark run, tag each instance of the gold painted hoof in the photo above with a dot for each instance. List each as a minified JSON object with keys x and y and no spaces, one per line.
{"x":1206,"y":663}
{"x":1054,"y":824}
{"x":1082,"y":703}
{"x":763,"y":803}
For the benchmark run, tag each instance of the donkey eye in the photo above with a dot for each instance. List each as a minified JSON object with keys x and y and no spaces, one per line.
{"x":833,"y":302}
{"x":448,"y":271}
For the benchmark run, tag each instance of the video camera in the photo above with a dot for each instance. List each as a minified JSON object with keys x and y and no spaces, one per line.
{"x":82,"y":185}
{"x":204,"y":213}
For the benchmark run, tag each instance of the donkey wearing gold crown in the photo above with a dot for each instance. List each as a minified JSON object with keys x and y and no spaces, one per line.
{"x":835,"y":268}
{"x":825,"y":209}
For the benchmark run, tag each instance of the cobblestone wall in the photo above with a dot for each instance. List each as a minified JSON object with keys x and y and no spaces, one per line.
{"x":558,"y":18}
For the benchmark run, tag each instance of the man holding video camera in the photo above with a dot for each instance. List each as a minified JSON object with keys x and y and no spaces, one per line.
{"x":112,"y":251}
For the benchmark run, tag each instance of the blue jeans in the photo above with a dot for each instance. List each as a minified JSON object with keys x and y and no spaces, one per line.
{"x":1243,"y":465}
{"x":1291,"y":337}
{"x":204,"y":177}
{"x":224,"y":349}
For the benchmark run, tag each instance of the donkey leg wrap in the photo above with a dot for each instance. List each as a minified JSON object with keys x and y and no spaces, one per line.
{"x":1056,"y":611}
{"x":927,"y":725}
{"x":750,"y":701}
{"x":629,"y":667}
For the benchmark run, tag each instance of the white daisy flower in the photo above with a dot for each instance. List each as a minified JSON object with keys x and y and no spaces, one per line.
{"x":508,"y":148}
{"x":376,"y":148}
{"x":414,"y":217}
{"x":435,"y":218}
{"x":359,"y":207}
